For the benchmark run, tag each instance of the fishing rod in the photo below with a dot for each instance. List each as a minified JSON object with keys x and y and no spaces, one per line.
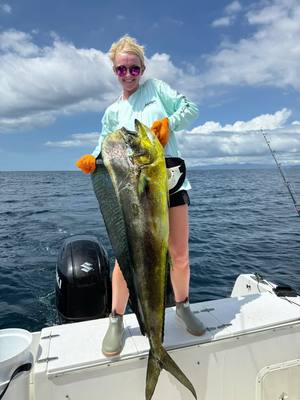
{"x":286,"y":182}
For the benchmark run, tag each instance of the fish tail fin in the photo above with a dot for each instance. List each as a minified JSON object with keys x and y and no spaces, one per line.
{"x":153,"y":371}
{"x":165,"y":362}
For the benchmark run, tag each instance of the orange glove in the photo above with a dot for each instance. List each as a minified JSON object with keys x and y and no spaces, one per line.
{"x":161,"y":129}
{"x":87,"y":163}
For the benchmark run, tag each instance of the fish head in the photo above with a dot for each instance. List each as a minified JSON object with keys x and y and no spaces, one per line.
{"x":143,"y":147}
{"x":135,"y":161}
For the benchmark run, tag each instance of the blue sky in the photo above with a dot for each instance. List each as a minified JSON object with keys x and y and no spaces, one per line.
{"x":238,"y":60}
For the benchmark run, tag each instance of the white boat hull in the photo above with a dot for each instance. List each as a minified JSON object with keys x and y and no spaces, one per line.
{"x":250,"y":351}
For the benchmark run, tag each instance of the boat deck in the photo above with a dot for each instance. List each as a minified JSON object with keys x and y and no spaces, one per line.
{"x":63,"y":349}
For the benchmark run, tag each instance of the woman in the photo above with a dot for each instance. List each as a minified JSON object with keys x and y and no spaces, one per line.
{"x":156,"y":105}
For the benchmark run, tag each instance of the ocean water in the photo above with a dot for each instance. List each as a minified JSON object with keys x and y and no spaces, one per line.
{"x":241,"y":221}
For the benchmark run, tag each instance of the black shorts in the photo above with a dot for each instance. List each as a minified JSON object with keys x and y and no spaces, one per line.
{"x":179,"y":198}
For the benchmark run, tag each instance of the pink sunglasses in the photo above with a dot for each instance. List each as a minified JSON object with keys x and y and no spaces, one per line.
{"x":134,"y":70}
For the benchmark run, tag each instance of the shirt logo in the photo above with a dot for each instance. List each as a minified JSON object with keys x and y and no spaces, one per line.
{"x":149,"y":102}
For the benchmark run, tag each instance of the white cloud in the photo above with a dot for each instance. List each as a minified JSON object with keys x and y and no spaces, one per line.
{"x":223,"y":21}
{"x":242,"y":141}
{"x":41,"y":83}
{"x":18,"y":43}
{"x":36,"y":120}
{"x":233,"y":7}
{"x":61,"y":79}
{"x":236,"y":148}
{"x":265,"y":121}
{"x":76,"y":140}
{"x":270,"y":13}
{"x":270,"y":56}
{"x":6,"y":8}
{"x":231,"y":11}
{"x":50,"y":81}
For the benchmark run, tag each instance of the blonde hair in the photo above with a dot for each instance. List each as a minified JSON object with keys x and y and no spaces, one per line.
{"x":127,"y":44}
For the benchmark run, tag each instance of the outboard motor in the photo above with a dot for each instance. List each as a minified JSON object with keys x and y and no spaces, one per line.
{"x":83,"y":286}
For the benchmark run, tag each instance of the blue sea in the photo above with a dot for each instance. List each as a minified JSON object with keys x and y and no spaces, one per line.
{"x":241,"y":221}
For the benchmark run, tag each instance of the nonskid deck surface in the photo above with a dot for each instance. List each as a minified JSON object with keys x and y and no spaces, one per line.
{"x":70,"y":347}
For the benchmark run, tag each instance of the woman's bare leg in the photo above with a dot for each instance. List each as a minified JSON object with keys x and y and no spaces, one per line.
{"x":120,"y":292}
{"x":179,"y":251}
{"x":180,"y":272}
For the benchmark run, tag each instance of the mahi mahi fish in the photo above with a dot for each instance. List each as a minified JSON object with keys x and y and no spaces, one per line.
{"x":130,"y":184}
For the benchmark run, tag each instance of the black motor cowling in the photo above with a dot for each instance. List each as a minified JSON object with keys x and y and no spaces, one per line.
{"x":83,"y":286}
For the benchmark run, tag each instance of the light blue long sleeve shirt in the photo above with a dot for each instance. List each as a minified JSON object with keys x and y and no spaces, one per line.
{"x":153,"y":100}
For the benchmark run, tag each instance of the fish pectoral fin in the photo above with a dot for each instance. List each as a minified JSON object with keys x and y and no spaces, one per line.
{"x":143,"y":184}
{"x":164,"y":362}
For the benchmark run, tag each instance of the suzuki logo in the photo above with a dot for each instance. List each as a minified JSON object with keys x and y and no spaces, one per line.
{"x":86,"y":267}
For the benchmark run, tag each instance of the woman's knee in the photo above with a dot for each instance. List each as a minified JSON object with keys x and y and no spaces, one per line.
{"x":180,"y":261}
